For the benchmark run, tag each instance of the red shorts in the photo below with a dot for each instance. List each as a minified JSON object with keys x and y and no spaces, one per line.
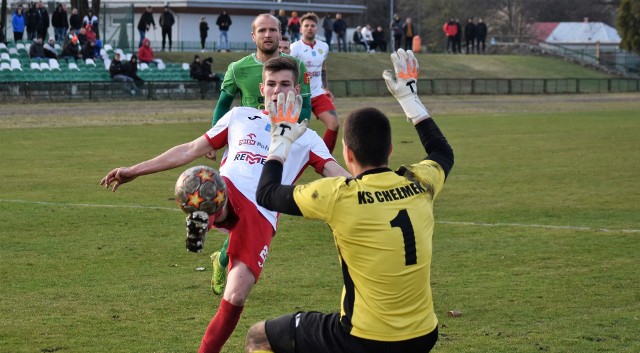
{"x":250,"y":233}
{"x":321,"y":104}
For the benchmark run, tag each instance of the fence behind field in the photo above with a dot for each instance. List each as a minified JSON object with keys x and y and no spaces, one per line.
{"x":189,"y":89}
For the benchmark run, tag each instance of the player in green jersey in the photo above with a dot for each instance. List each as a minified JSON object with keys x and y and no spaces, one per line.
{"x":382,"y":223}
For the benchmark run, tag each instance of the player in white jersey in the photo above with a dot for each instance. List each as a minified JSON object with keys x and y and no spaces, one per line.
{"x":313,"y":53}
{"x":246,"y":134}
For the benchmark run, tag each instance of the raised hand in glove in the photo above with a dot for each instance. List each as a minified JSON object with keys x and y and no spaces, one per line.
{"x":284,"y":124}
{"x":403,"y":84}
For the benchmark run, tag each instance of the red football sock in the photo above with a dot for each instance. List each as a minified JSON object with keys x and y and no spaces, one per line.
{"x":330,"y":137}
{"x":220,"y":327}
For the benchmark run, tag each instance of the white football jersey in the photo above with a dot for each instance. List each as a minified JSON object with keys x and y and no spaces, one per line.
{"x":313,"y":57}
{"x":246,"y":132}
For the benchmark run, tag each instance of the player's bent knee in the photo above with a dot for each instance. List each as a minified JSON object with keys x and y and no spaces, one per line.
{"x":330,"y":120}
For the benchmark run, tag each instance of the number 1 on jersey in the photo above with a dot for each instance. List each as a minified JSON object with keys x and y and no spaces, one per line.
{"x":403,"y":222}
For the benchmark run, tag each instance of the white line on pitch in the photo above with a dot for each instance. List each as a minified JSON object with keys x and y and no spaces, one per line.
{"x":477,"y":224}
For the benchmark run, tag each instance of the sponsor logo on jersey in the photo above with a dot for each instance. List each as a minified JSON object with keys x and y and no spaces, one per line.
{"x":307,"y":78}
{"x":248,"y":141}
{"x":250,"y":157}
{"x":399,"y":193}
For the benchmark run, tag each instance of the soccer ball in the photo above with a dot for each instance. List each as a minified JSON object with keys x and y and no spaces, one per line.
{"x":201,"y":188}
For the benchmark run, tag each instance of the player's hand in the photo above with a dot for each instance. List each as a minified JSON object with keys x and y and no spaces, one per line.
{"x":117,"y":177}
{"x":403,"y":84}
{"x":211,"y":155}
{"x":284,"y":124}
{"x":328,"y":94}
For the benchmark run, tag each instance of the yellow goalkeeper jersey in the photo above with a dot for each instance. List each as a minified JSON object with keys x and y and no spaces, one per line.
{"x":382,"y":223}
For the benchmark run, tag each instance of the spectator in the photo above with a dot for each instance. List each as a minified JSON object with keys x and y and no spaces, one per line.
{"x":458,"y":37}
{"x":82,"y":37}
{"x":91,"y":20}
{"x":481,"y":35}
{"x":50,"y":50}
{"x":207,"y":73}
{"x":70,"y":50}
{"x":223,"y":22}
{"x":31,"y":21}
{"x":327,"y":25}
{"x":284,"y":21}
{"x":145,"y":52}
{"x":294,"y":26}
{"x":396,"y":32}
{"x":18,"y":23}
{"x":42,"y":21}
{"x":469,"y":35}
{"x":60,"y":22}
{"x":195,"y":68}
{"x":91,"y":35}
{"x":367,"y":37}
{"x":204,"y":32}
{"x":118,"y":74}
{"x":409,"y":32}
{"x":358,"y":39}
{"x":89,"y":50}
{"x":145,"y":23}
{"x":37,"y":49}
{"x":285,"y":45}
{"x":450,"y":31}
{"x":75,"y":22}
{"x":166,"y":22}
{"x":130,"y":68}
{"x":340,"y":29}
{"x":379,"y":40}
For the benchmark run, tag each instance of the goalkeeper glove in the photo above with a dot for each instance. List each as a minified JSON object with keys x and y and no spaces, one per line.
{"x":284,"y":124}
{"x":403,"y":84}
{"x":197,"y":227}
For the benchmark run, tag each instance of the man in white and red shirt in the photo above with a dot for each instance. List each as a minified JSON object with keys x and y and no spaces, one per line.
{"x":313,"y":53}
{"x":246,"y":134}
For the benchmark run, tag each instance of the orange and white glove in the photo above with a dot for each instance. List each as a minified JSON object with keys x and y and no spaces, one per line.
{"x":285,"y":129}
{"x":403,"y":84}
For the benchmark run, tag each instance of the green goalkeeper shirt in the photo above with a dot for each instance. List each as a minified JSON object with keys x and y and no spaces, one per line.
{"x":244,"y":76}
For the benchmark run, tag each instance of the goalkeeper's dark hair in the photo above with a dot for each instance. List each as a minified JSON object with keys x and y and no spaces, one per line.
{"x":282,"y":63}
{"x":367,"y":132}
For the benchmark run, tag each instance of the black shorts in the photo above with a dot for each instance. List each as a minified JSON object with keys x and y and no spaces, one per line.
{"x":313,"y":332}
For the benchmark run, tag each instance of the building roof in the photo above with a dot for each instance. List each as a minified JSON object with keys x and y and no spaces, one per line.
{"x":251,"y":5}
{"x":575,"y":33}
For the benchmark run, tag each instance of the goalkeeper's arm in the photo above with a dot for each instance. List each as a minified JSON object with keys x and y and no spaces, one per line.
{"x":223,"y":106}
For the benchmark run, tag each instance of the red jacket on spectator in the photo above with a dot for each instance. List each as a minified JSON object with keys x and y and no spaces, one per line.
{"x":450,"y":29}
{"x":91,"y":35}
{"x":145,"y":53}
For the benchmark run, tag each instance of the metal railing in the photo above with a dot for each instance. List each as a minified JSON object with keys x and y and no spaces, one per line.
{"x":176,"y":90}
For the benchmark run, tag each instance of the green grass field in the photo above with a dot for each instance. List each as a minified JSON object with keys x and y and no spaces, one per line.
{"x":536,"y":240}
{"x":341,"y":66}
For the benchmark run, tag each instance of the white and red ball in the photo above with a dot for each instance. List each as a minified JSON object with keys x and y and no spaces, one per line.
{"x":201,"y":188}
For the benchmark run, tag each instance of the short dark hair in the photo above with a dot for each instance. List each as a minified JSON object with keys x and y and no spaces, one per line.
{"x":367,"y":132}
{"x":282,"y":63}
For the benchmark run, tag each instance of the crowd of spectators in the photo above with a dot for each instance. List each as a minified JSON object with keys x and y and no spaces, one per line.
{"x":475,"y":36}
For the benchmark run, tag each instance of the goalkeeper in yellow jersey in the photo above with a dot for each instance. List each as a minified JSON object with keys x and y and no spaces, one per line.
{"x":382,"y":224}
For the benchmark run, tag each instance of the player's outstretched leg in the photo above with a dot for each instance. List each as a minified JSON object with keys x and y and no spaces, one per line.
{"x":219,"y":279}
{"x":197,"y":226}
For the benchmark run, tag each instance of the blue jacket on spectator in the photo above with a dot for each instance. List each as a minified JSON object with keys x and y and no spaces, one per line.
{"x":18,"y":22}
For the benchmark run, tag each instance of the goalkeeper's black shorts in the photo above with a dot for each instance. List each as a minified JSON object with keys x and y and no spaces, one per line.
{"x":314,"y":332}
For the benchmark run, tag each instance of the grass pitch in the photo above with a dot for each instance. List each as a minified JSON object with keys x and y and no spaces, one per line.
{"x":536,"y":240}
